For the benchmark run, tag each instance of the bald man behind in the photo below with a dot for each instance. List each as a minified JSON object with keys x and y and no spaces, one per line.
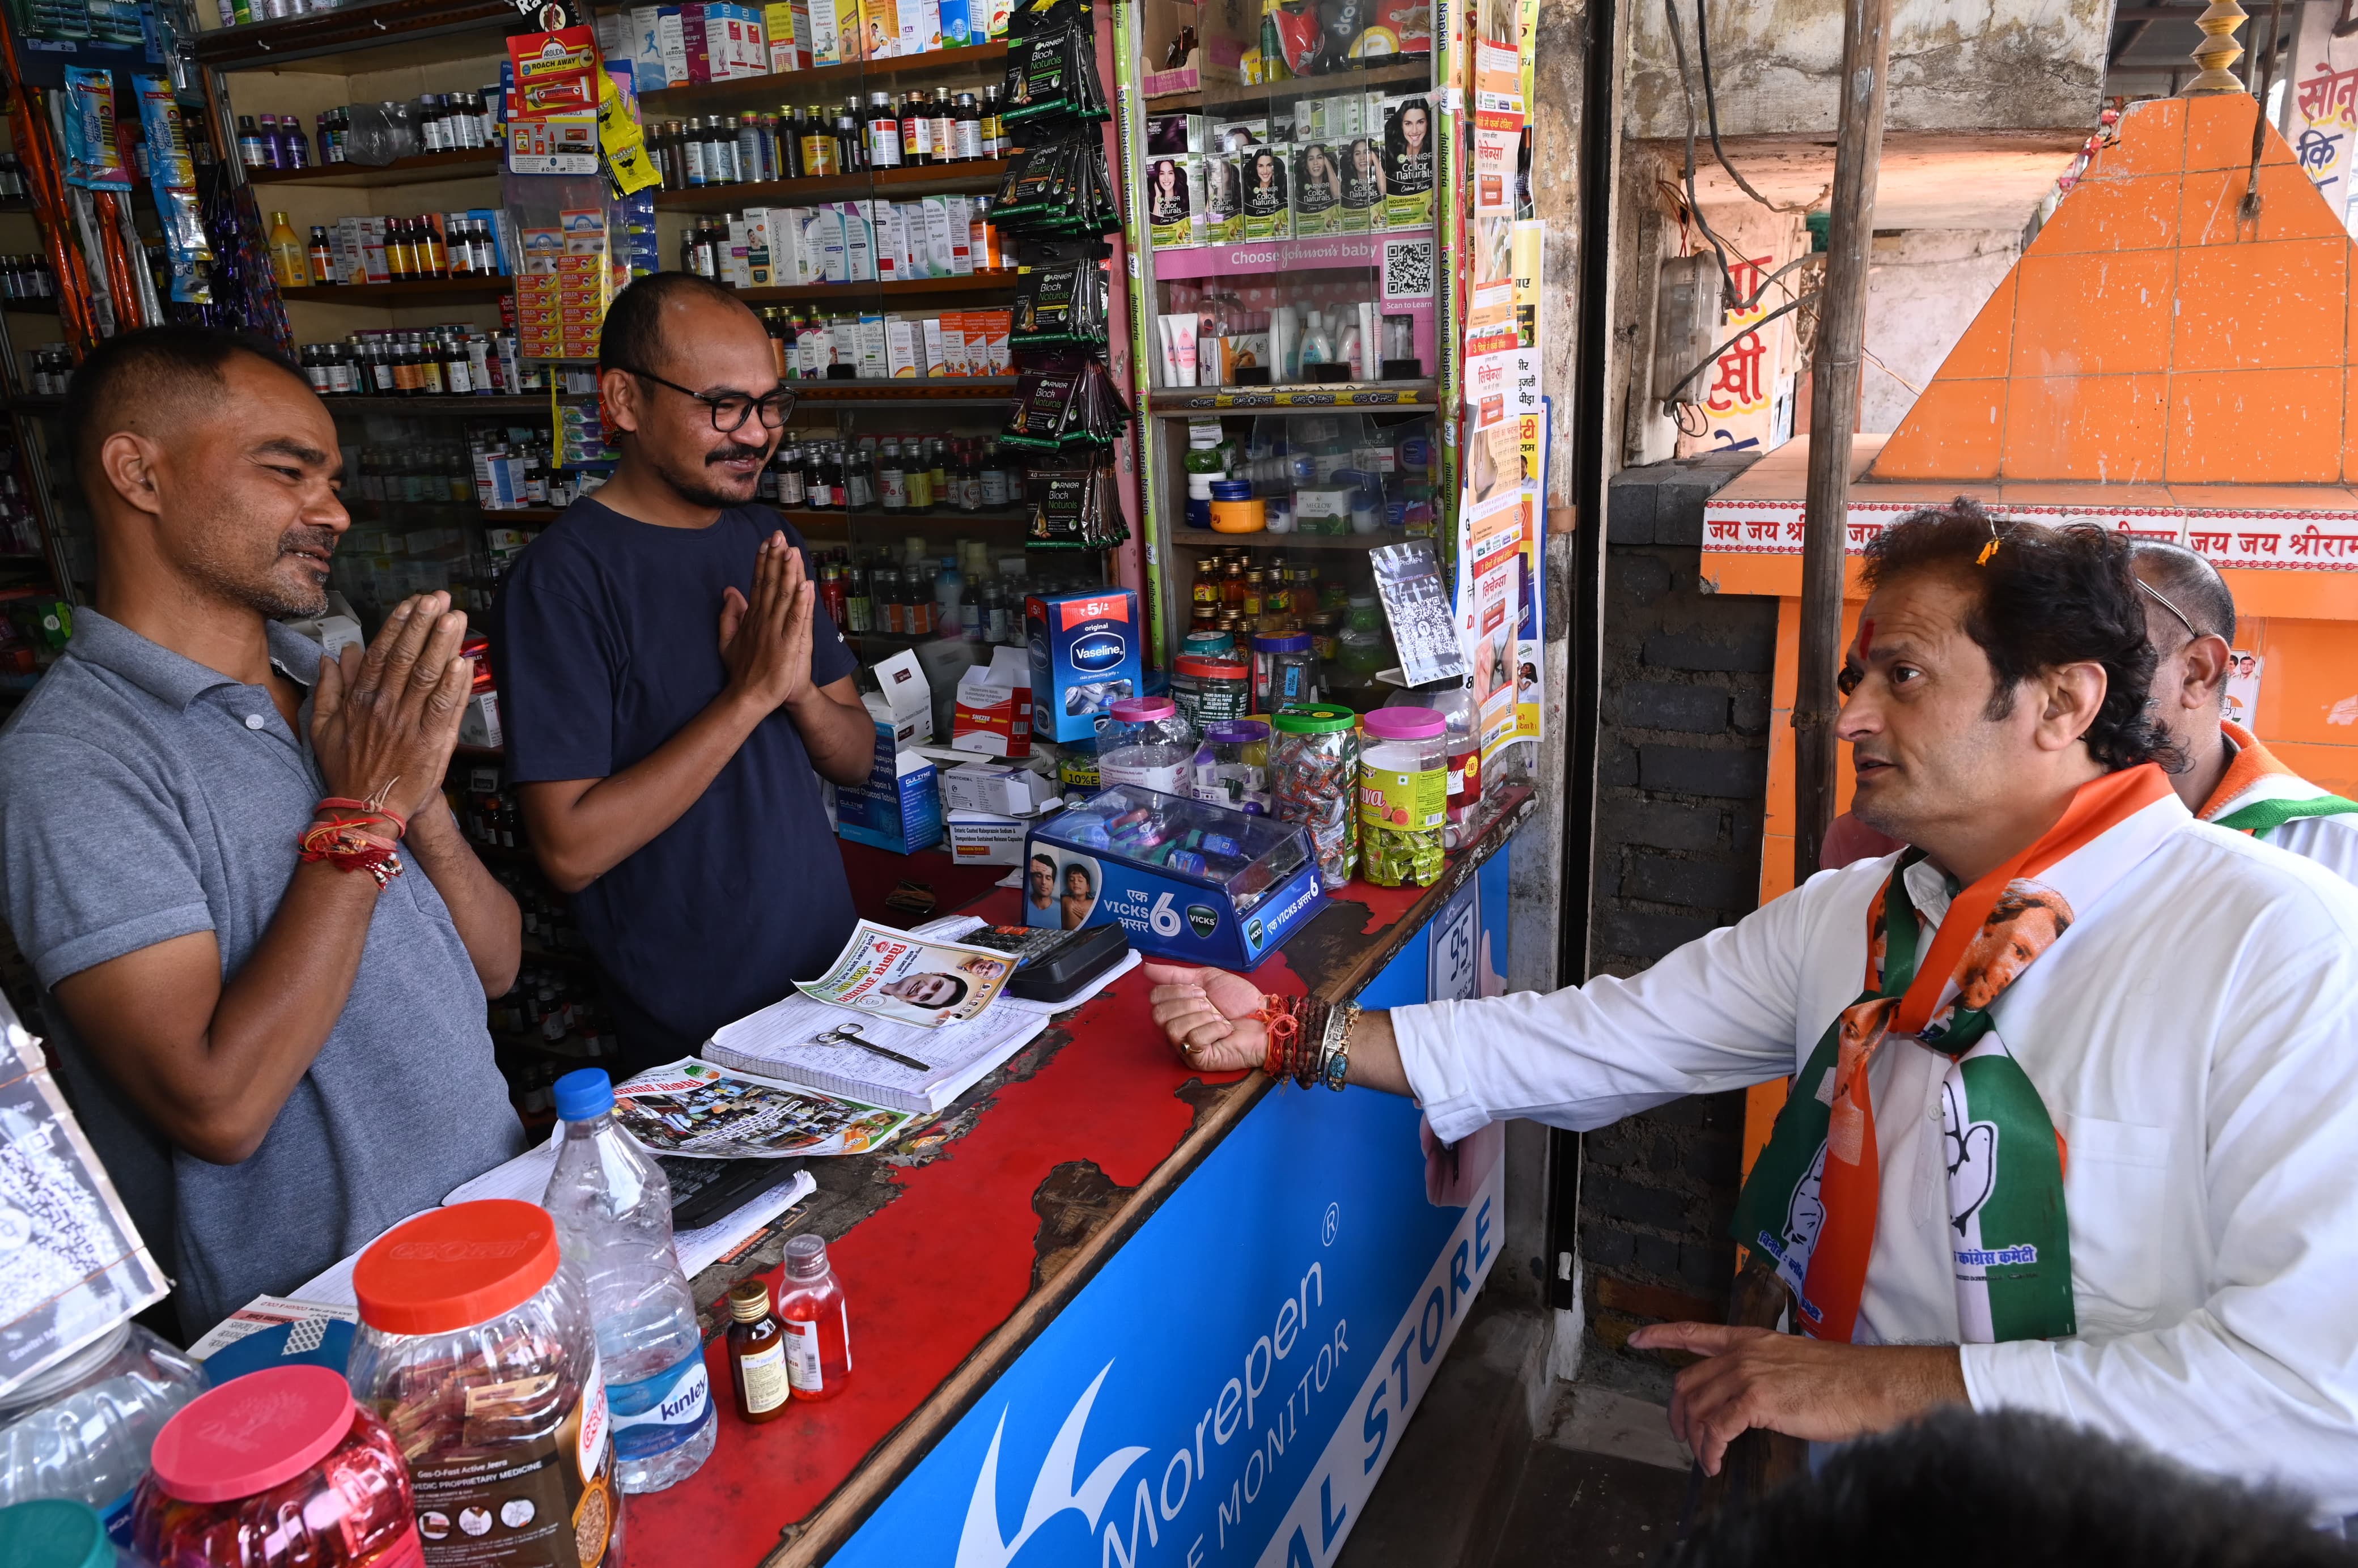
{"x":672,"y":690}
{"x":2229,"y":777}
{"x":275,"y":1055}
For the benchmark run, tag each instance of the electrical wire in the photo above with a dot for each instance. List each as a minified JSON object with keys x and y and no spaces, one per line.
{"x":2248,"y":209}
{"x":1679,"y":385}
{"x":1711,"y":110}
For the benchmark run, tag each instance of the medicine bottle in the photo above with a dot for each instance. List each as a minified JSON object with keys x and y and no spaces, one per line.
{"x":818,"y":1323}
{"x":757,"y":1352}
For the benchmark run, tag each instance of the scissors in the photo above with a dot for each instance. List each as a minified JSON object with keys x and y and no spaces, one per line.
{"x":849,"y":1034}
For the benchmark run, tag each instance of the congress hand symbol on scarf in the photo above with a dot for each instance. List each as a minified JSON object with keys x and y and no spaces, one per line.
{"x":1809,"y":1204}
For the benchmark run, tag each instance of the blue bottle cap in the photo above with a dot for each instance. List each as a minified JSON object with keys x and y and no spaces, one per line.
{"x":54,"y":1532}
{"x":1232,"y":490}
{"x":584,"y":1093}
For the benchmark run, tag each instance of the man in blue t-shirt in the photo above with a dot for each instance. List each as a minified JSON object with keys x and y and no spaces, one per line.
{"x":672,"y":690}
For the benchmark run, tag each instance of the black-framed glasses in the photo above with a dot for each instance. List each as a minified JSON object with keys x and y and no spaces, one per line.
{"x":730,"y":410}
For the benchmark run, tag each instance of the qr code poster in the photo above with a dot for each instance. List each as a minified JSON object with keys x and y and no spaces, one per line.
{"x":1408,"y":269}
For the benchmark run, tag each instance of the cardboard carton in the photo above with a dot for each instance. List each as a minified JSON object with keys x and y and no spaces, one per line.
{"x":993,"y":716}
{"x":903,"y":704}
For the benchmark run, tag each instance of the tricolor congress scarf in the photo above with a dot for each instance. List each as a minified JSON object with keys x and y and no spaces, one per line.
{"x":1809,"y":1204}
{"x":2259,"y":795}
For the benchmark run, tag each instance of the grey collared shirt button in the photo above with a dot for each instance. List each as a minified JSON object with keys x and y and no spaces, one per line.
{"x":254,"y":721}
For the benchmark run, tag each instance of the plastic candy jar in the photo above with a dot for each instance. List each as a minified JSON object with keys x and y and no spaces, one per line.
{"x":82,"y":1429}
{"x":1231,"y":766}
{"x":1145,"y":741}
{"x":475,"y":1348}
{"x":1212,"y":687}
{"x":278,"y":1467}
{"x":1314,"y":761}
{"x":1403,"y":795}
{"x":1285,"y":671}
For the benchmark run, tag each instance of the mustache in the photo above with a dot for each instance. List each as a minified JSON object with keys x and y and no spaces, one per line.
{"x":304,"y":536}
{"x":733,"y":451}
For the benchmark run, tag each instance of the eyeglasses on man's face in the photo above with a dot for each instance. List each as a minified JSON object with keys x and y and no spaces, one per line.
{"x":730,"y":410}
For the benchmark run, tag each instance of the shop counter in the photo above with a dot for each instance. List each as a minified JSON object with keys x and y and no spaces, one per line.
{"x":1108,"y":1310}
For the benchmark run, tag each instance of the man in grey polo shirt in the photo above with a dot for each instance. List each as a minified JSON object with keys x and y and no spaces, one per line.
{"x":276,"y":1058}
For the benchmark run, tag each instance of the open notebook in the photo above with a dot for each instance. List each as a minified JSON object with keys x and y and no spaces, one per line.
{"x":799,"y":1041}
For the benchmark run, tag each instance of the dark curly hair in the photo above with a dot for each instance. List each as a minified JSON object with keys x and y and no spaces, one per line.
{"x":2047,"y":598}
{"x":1959,"y":1488}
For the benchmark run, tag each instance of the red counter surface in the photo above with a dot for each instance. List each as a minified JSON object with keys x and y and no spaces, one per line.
{"x":957,"y":1246}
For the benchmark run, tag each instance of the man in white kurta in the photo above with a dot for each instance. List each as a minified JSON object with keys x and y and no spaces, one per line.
{"x":2193,"y":1036}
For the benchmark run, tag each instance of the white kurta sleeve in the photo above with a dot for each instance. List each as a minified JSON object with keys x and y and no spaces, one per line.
{"x":2261,"y":1381}
{"x":1718,"y":1013}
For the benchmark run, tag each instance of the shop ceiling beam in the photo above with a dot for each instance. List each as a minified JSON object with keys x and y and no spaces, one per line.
{"x":1834,"y":411}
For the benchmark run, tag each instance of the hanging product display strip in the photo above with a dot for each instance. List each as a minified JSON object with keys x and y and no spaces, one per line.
{"x":1057,"y":203}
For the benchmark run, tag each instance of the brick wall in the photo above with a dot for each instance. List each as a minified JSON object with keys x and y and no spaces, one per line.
{"x":1683,"y":765}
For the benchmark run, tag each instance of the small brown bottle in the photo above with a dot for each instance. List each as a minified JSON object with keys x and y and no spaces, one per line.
{"x":757,"y":1352}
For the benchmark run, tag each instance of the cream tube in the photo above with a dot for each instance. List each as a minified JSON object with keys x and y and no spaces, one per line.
{"x":1178,"y":331}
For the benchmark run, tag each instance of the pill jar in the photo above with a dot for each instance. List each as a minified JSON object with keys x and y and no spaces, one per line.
{"x":1209,"y":687}
{"x":1235,"y":508}
{"x":276,"y":1469}
{"x":1205,"y":644}
{"x":1285,"y":671}
{"x":1403,"y":795}
{"x":1144,"y":740}
{"x":1313,"y":762}
{"x":475,"y":1348}
{"x":1231,"y":766}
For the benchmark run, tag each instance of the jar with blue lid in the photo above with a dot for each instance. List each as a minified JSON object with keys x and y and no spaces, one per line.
{"x":1285,"y":670}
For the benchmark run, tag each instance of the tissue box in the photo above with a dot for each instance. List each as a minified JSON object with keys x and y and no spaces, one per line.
{"x":993,"y":716}
{"x":1085,"y":657}
{"x":1000,"y":791}
{"x":900,"y":807}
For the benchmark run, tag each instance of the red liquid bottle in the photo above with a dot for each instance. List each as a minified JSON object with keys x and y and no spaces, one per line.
{"x":817,"y":1324}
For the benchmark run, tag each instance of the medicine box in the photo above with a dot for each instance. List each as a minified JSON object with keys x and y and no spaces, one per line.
{"x":1185,"y":878}
{"x":902,"y":702}
{"x":986,"y":839}
{"x":900,"y":807}
{"x":993,"y":716}
{"x":1003,"y":788}
{"x":1085,"y":657}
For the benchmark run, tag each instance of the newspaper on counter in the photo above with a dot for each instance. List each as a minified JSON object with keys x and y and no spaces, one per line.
{"x":707,"y":1112}
{"x":895,"y":975}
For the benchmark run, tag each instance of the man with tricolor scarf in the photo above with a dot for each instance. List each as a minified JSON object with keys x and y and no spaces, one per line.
{"x":2074,"y":1114}
{"x":2225,"y":776}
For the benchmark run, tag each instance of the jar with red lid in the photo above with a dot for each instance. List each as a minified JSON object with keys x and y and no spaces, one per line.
{"x":475,"y":1348}
{"x":276,"y":1469}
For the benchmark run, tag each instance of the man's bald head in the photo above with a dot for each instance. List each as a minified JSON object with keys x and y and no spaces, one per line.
{"x":147,"y":382}
{"x":2192,"y":585}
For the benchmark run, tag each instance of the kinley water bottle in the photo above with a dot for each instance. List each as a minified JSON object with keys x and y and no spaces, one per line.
{"x":612,"y":1208}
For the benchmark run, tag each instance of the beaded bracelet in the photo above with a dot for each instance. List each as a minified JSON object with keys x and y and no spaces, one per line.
{"x":352,"y":836}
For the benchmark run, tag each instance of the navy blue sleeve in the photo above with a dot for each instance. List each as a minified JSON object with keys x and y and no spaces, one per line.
{"x":556,"y":681}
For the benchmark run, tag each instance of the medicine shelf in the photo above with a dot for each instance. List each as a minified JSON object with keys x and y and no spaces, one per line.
{"x":937,"y":391}
{"x":1212,"y":539}
{"x":1414,"y":69}
{"x":974,"y":283}
{"x":1372,"y":396}
{"x":974,"y":176}
{"x":476,"y":163}
{"x":383,"y":36}
{"x":1258,"y":258}
{"x":798,"y":86}
{"x":803,"y":519}
{"x":460,"y":405}
{"x":407,"y":290}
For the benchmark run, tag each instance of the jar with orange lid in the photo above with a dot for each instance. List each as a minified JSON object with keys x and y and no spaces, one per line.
{"x":276,"y":1469}
{"x":475,"y":1348}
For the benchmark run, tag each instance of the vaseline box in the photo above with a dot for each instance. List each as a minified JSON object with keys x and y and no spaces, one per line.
{"x":1085,"y":657}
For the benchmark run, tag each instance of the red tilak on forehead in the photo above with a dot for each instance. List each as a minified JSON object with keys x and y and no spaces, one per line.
{"x":1865,"y":638}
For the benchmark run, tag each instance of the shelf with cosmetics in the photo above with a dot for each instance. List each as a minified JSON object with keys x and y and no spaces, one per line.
{"x":1281,"y":186}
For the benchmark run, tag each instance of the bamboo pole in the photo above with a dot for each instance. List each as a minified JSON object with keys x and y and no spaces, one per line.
{"x":1833,"y":410}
